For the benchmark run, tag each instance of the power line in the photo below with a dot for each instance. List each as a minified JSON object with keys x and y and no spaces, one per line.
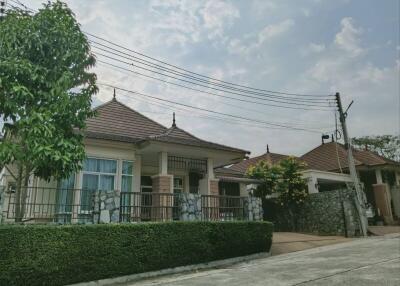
{"x":190,"y":72}
{"x":210,"y":93}
{"x":190,"y":112}
{"x":195,"y":83}
{"x":210,"y":78}
{"x":204,"y":85}
{"x":207,"y":110}
{"x":133,"y":58}
{"x":225,"y":103}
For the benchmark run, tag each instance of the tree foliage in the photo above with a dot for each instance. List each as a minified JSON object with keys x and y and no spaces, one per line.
{"x":385,"y":145}
{"x":283,"y":179}
{"x":45,"y":92}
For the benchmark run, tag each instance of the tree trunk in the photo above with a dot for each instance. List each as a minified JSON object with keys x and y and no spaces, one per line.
{"x":24,"y":191}
{"x":18,"y":190}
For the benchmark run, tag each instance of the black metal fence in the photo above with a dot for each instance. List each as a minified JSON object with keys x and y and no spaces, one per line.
{"x":50,"y":204}
{"x":43,"y":205}
{"x":222,"y":208}
{"x":147,"y":206}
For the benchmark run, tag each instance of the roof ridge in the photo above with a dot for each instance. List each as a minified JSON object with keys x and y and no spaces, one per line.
{"x":130,"y":109}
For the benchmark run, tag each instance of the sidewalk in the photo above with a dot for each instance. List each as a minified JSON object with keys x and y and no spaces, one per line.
{"x":286,"y":242}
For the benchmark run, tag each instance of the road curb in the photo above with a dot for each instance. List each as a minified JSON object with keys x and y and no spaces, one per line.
{"x":175,"y":270}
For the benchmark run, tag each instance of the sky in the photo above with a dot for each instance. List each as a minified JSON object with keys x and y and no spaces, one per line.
{"x":303,"y":46}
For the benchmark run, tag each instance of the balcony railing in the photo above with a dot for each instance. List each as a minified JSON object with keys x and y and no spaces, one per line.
{"x":41,"y":205}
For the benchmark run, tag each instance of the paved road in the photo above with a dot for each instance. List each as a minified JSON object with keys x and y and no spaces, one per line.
{"x":372,"y":261}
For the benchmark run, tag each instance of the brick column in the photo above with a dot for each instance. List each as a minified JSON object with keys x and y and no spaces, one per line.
{"x":382,"y":200}
{"x":162,"y":201}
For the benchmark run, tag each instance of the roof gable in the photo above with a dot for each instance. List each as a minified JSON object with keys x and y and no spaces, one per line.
{"x":180,"y":136}
{"x":117,"y":121}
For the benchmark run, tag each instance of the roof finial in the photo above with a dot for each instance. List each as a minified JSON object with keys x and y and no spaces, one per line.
{"x":173,"y":120}
{"x":267,"y":148}
{"x":114,"y":96}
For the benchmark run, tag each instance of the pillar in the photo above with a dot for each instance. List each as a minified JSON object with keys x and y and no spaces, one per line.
{"x":378,"y":175}
{"x":312,"y":185}
{"x":382,"y":200}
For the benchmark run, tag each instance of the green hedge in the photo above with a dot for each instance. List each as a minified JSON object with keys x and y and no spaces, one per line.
{"x":59,"y":255}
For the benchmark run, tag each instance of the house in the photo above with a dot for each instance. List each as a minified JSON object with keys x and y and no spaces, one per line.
{"x":128,"y":152}
{"x":327,"y":169}
{"x":380,"y":176}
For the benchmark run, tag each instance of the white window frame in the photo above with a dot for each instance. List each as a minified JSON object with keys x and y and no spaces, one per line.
{"x":128,"y":175}
{"x":101,"y":173}
{"x":182,"y":188}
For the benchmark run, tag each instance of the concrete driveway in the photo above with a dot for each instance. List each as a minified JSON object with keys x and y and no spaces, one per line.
{"x":370,"y":261}
{"x":286,"y":242}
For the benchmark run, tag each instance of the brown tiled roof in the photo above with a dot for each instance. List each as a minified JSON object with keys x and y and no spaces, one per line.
{"x":272,"y":158}
{"x":180,"y":136}
{"x":116,"y":121}
{"x":227,"y":172}
{"x":333,"y":156}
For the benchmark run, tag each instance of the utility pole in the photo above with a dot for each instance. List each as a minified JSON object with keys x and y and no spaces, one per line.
{"x":352,"y":168}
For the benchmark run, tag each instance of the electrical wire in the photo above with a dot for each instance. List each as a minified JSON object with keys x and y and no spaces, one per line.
{"x":210,"y":93}
{"x":210,"y":78}
{"x":117,"y":52}
{"x":208,"y":110}
{"x":242,"y":108}
{"x":209,"y":87}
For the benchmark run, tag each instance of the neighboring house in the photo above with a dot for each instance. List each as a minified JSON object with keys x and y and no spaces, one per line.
{"x":380,"y":176}
{"x":129,"y":152}
{"x":327,"y":169}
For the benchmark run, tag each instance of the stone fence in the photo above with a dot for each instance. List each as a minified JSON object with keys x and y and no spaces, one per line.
{"x":182,"y":206}
{"x":325,"y":213}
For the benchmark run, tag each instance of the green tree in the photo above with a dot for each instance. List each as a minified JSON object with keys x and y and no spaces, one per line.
{"x":268,"y":175}
{"x":291,"y":186}
{"x":385,"y":145}
{"x":45,"y":94}
{"x":283,"y":179}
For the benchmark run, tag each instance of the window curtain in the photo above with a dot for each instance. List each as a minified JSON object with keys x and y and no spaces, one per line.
{"x":89,"y":185}
{"x":64,"y":195}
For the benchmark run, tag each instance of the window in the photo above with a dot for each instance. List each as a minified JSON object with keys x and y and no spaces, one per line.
{"x":126,"y":190}
{"x":98,"y":174}
{"x":127,"y":176}
{"x":64,"y":199}
{"x":194,"y":179}
{"x":146,"y":184}
{"x":178,"y":185}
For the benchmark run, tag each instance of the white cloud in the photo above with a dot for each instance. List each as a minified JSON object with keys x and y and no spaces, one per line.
{"x":249,"y":43}
{"x":218,"y":15}
{"x":348,"y":38}
{"x":273,"y":30}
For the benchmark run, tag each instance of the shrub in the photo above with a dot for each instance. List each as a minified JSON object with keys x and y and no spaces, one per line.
{"x":59,"y":255}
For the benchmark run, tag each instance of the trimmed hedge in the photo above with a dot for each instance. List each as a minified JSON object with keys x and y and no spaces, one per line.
{"x":59,"y":255}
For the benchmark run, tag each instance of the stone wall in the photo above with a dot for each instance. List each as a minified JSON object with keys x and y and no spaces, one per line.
{"x":326,"y":213}
{"x":106,"y":207}
{"x":190,"y":207}
{"x":253,"y":209}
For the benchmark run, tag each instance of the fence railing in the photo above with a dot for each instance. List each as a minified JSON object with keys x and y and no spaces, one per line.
{"x":80,"y":206}
{"x":223,"y":208}
{"x":147,"y":206}
{"x":50,"y":204}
